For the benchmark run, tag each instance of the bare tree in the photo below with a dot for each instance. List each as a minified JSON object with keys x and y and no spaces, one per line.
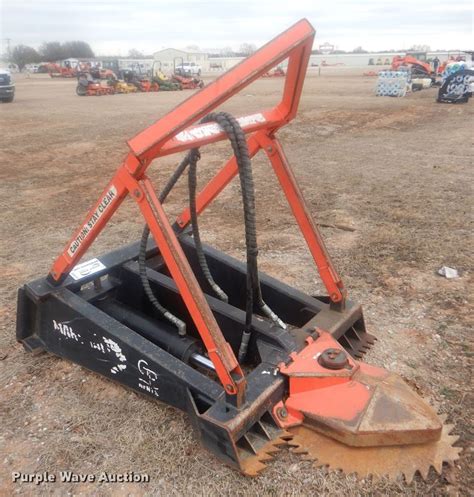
{"x":77,"y":49}
{"x":421,"y":48}
{"x":227,"y":51}
{"x":133,"y":53}
{"x":51,"y":51}
{"x":22,"y":55}
{"x":247,"y":48}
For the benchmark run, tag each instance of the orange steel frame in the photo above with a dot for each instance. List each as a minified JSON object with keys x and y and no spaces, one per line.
{"x":176,"y":132}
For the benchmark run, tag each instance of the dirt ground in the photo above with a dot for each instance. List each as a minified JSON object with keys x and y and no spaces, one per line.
{"x":398,"y":171}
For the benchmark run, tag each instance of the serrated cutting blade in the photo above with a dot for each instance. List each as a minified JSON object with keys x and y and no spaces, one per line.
{"x":389,"y":461}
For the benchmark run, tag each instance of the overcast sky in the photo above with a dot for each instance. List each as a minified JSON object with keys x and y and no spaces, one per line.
{"x":114,"y":27}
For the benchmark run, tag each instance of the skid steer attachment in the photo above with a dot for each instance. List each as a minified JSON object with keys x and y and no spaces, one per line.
{"x":255,"y":363}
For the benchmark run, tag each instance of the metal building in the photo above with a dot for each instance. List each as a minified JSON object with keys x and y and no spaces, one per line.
{"x":169,"y":56}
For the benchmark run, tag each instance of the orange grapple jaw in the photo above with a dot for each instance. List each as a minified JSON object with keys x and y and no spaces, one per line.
{"x":354,"y":403}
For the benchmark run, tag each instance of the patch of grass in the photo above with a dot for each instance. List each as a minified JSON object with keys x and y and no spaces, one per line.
{"x":448,"y":392}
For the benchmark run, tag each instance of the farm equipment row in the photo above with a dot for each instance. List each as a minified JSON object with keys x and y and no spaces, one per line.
{"x":66,"y":70}
{"x":255,"y":363}
{"x":87,"y":85}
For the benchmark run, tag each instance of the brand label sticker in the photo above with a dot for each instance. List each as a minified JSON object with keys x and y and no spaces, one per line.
{"x":86,"y":268}
{"x":211,"y":129}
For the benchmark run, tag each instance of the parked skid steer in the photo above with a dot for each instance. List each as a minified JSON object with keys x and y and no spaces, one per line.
{"x":255,"y":363}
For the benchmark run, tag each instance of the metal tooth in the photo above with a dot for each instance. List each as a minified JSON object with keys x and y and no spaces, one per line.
{"x":377,"y":462}
{"x":253,"y":465}
{"x":359,"y":346}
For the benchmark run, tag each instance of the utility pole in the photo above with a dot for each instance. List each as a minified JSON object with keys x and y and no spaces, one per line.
{"x":7,"y":43}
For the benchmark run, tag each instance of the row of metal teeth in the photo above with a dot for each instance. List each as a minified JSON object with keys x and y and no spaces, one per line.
{"x":392,"y":462}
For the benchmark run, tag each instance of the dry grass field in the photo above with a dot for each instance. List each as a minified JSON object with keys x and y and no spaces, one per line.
{"x":398,"y":171}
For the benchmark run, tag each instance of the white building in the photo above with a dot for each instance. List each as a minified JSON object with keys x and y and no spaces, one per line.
{"x":171,"y":56}
{"x":141,"y":66}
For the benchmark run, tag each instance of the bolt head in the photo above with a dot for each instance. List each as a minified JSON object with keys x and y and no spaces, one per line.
{"x":333,"y":358}
{"x":282,"y":413}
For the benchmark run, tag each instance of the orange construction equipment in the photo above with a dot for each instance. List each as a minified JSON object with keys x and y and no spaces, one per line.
{"x":140,"y":81}
{"x":121,"y":86}
{"x":88,"y":86}
{"x":146,"y":85}
{"x":58,"y":71}
{"x":100,"y":73}
{"x":255,"y":363}
{"x":188,"y":83}
{"x":417,"y":67}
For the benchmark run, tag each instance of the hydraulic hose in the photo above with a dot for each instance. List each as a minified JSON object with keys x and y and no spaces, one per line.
{"x":253,"y":289}
{"x":192,"y":183}
{"x":181,"y":325}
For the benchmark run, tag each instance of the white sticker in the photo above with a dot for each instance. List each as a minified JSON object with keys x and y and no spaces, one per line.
{"x":211,"y":129}
{"x":86,"y":268}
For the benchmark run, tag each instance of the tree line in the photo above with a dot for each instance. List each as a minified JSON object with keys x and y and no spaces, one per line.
{"x":51,"y":51}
